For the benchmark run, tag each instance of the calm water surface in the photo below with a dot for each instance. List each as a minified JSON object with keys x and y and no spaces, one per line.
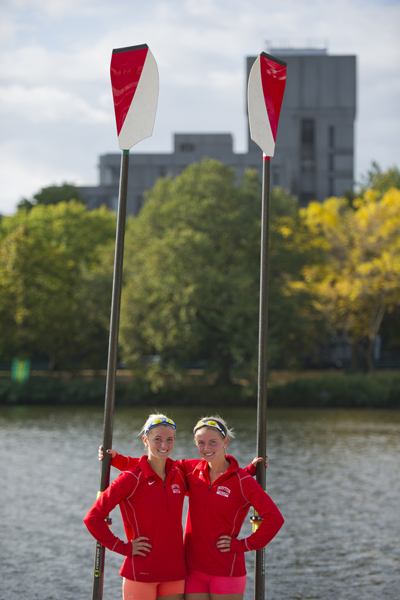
{"x":335,"y":476}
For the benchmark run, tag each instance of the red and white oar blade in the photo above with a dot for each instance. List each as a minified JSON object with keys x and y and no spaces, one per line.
{"x":134,"y":82}
{"x":265,"y":91}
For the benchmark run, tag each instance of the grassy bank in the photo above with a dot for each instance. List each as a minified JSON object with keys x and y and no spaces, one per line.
{"x":349,"y":391}
{"x":327,"y":391}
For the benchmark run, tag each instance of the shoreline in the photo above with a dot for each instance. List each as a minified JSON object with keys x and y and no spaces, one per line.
{"x":321,"y":390}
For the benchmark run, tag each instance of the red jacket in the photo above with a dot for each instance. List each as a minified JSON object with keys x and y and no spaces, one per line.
{"x":220,"y":509}
{"x":149,"y":507}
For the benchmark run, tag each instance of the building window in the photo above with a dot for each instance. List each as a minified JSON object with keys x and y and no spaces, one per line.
{"x":331,"y":136}
{"x":307,"y":161}
{"x":331,"y":160}
{"x":186,"y":147}
{"x":308,"y":138}
{"x":306,"y":198}
{"x":108,"y":176}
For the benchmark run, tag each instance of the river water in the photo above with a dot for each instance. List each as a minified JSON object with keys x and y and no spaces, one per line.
{"x":335,"y":475}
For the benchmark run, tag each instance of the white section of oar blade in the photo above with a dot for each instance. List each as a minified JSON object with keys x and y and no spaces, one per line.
{"x":139,"y":122}
{"x":260,"y":128}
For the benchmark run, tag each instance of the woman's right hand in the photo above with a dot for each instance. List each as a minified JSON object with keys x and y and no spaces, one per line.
{"x":139,"y":547}
{"x":259,"y":459}
{"x":111,"y":452}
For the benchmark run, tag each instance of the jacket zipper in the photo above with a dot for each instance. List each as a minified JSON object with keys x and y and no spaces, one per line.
{"x":166,"y":495}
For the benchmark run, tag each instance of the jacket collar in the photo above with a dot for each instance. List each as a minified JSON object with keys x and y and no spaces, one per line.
{"x":202,"y":466}
{"x":148,"y":470}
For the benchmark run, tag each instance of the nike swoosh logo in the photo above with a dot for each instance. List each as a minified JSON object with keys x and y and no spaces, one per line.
{"x":151,"y":482}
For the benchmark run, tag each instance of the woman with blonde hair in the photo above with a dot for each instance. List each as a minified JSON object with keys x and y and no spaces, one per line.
{"x":150,"y":496}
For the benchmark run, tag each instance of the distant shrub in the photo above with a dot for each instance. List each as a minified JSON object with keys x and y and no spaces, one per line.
{"x":350,"y":391}
{"x":58,"y":390}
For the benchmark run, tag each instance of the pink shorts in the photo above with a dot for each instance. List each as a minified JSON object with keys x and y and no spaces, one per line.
{"x":139,"y":590}
{"x":200,"y":583}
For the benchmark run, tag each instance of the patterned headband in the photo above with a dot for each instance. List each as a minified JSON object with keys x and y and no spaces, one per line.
{"x":159,"y":421}
{"x":211,"y":423}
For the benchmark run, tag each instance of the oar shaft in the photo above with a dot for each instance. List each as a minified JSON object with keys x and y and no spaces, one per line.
{"x":259,"y":578}
{"x":97,"y":590}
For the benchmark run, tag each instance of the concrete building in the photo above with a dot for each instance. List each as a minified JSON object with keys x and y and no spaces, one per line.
{"x":314,"y":155}
{"x":145,"y":169}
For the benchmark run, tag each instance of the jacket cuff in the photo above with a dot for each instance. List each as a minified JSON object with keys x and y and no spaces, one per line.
{"x":126,"y":549}
{"x":237,"y":546}
{"x":252,"y":470}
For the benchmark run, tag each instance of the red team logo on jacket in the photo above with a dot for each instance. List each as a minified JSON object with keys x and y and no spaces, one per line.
{"x":176,"y":489}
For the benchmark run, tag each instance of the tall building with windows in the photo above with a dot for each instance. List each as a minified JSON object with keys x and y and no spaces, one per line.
{"x":314,"y":156}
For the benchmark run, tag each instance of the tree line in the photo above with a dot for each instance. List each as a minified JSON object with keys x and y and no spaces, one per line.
{"x":191,"y":276}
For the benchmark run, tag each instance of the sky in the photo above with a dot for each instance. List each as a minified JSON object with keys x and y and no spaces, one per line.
{"x":56,"y":108}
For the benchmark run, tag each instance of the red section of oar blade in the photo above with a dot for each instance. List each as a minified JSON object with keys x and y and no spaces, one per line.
{"x":273,"y":78}
{"x":126,"y":69}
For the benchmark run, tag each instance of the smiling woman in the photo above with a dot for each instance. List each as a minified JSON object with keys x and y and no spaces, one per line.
{"x":150,"y":497}
{"x":220,"y":496}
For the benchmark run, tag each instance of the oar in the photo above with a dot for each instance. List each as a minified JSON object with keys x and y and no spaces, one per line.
{"x":134,"y":81}
{"x":265,"y":94}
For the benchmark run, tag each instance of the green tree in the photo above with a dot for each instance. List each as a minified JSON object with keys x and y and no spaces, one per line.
{"x":380,"y":181}
{"x":374,"y":179}
{"x":94,"y":300}
{"x":53,"y":195}
{"x":296,"y":326}
{"x":192,"y":274}
{"x":47,"y":258}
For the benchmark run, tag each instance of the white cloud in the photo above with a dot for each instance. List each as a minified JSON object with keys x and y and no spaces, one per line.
{"x":7,"y":29}
{"x":54,"y":8}
{"x":37,"y":64}
{"x":24,"y":174}
{"x":45,"y":104}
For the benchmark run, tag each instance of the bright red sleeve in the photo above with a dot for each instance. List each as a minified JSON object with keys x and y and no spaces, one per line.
{"x":251,"y":469}
{"x":272,"y":519}
{"x":188,"y":464}
{"x":95,"y":518}
{"x":124,"y":463}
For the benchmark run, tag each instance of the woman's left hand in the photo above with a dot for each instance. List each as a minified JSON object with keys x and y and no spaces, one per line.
{"x":224,"y":543}
{"x":259,"y":459}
